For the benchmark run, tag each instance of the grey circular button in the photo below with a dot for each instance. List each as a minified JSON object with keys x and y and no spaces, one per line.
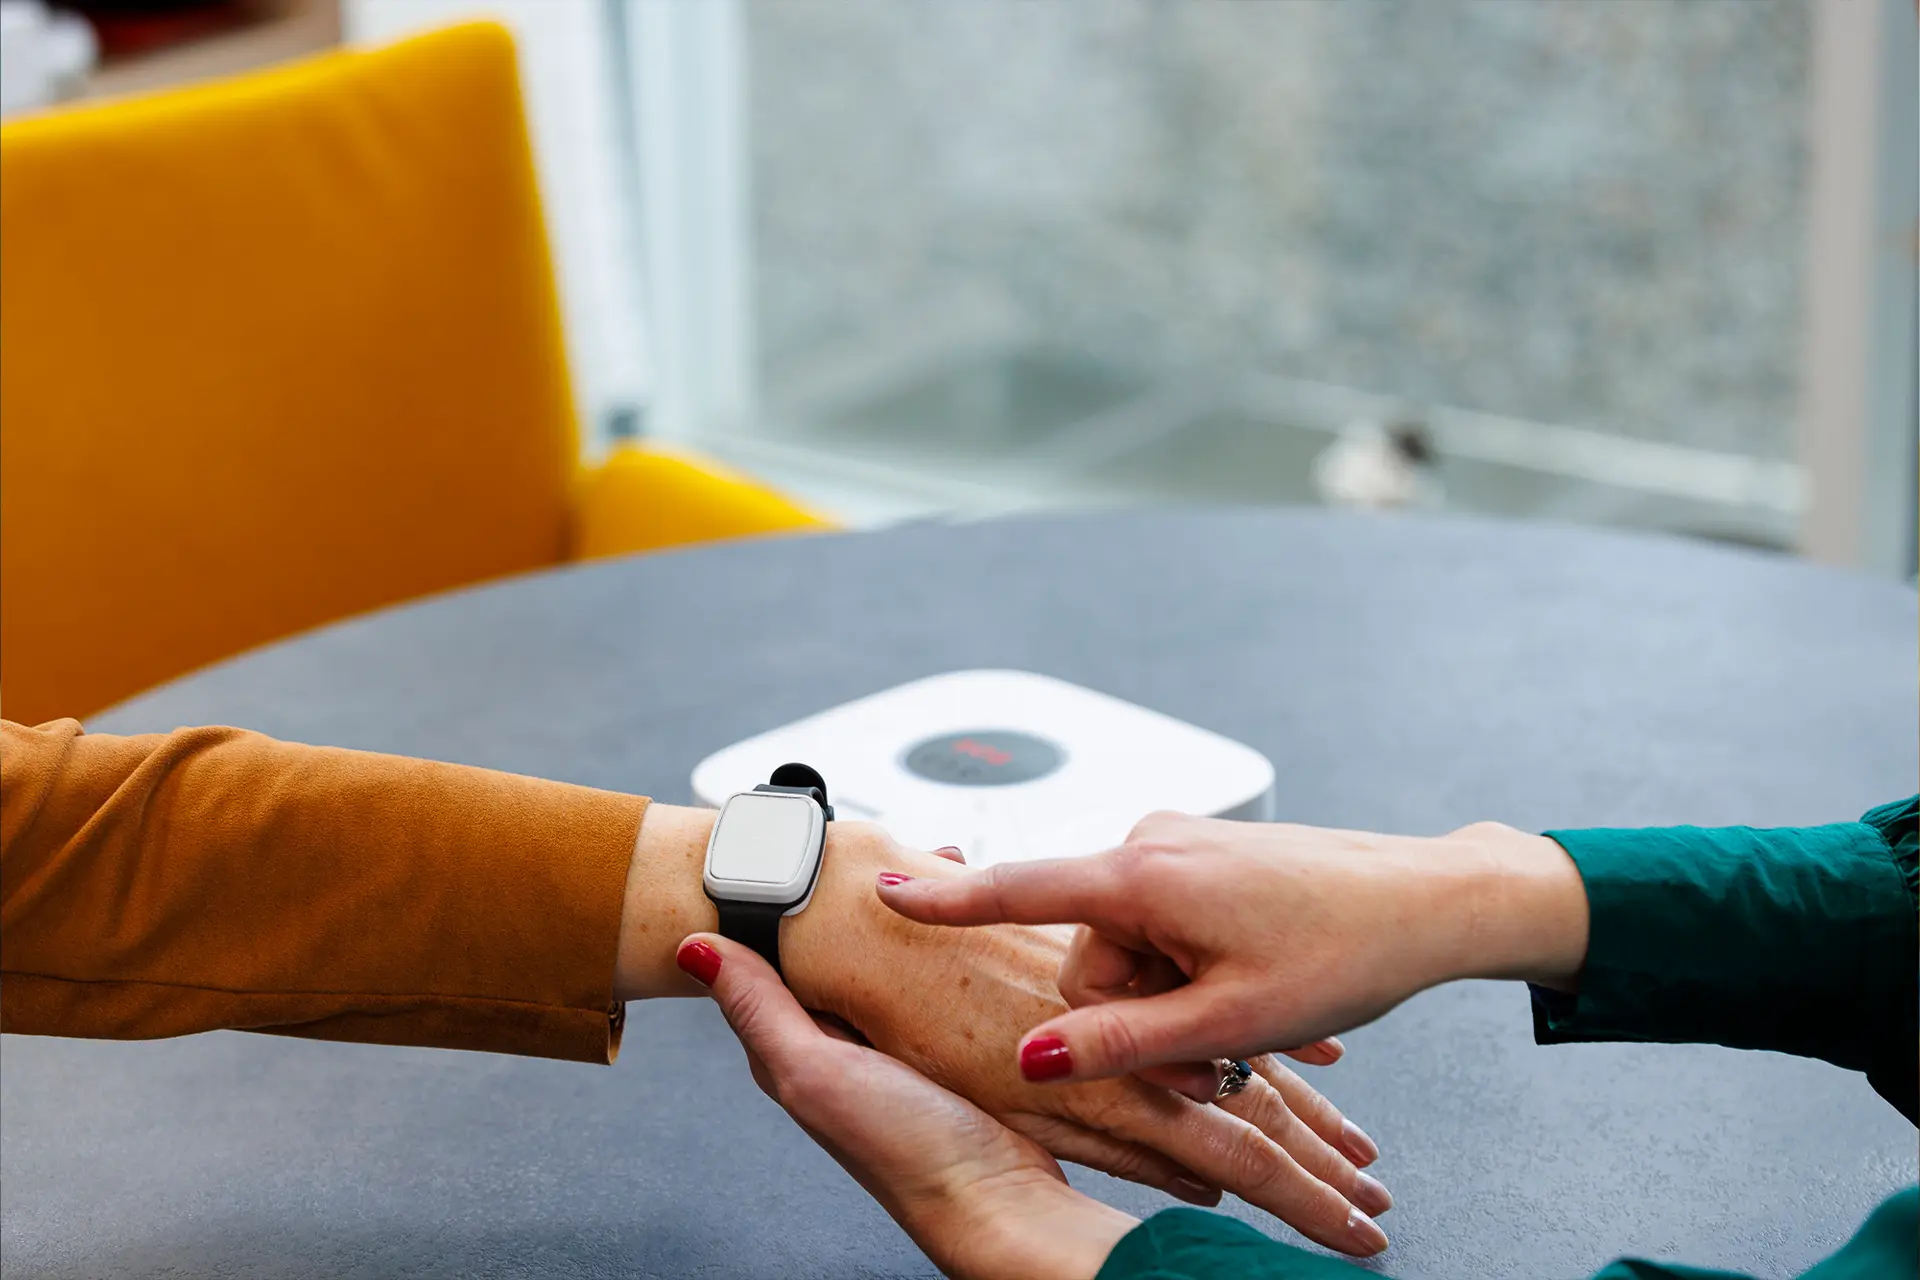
{"x":984,"y":758}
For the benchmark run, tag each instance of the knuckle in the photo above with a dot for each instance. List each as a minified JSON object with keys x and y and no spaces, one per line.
{"x":1254,"y":1163}
{"x":1128,"y":1163}
{"x":1115,"y":1044}
{"x":1122,"y":865}
{"x":1319,"y":1114}
{"x":995,"y":885}
{"x":1264,"y":1108}
{"x":742,"y":1007}
{"x":1108,"y":1106}
{"x":1139,"y":864}
{"x":797,"y":1084}
{"x":1156,"y":824}
{"x":1300,"y":1098}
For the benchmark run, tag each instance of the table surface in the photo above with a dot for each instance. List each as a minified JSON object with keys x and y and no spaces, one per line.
{"x":1403,"y":674}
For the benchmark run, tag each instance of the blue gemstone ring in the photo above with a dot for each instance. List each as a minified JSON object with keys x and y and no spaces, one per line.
{"x":1235,"y":1075}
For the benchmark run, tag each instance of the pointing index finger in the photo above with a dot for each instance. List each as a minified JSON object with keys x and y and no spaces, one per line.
{"x":1054,"y":891}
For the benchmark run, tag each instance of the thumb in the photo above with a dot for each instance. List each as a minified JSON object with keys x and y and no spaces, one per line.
{"x":756,"y":1004}
{"x":1188,"y":1024}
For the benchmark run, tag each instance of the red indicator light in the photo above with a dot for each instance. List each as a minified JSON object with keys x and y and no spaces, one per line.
{"x":982,"y":752}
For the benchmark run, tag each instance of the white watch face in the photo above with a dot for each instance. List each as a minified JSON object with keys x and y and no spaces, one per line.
{"x":764,"y":847}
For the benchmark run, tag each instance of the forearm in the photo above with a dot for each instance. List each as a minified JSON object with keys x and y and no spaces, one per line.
{"x":211,"y":878}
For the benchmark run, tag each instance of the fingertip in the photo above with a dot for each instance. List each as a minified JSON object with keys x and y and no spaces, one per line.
{"x":896,"y":889}
{"x":698,"y":959}
{"x":1045,"y":1058}
{"x":1193,"y":1191}
{"x":1321,"y":1053}
{"x":1357,"y":1146}
{"x":1364,"y":1236}
{"x":1371,"y":1195}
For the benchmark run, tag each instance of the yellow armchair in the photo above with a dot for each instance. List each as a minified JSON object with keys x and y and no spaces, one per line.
{"x":285,"y":348}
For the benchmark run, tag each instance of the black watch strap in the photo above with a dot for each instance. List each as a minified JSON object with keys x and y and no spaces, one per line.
{"x":754,"y":924}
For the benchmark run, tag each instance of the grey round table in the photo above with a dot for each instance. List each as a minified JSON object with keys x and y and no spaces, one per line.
{"x":1404,"y":675}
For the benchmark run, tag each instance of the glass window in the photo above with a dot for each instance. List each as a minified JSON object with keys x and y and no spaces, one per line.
{"x":1534,"y":259}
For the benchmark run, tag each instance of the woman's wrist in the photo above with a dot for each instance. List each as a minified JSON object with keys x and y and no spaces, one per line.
{"x":1037,"y":1229}
{"x":1525,"y":908}
{"x":663,"y":903}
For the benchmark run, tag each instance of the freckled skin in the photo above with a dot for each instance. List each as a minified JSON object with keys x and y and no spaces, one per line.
{"x":910,"y":1009}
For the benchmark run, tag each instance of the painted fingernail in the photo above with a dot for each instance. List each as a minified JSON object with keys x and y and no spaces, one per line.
{"x":946,"y":849}
{"x":699,"y":962}
{"x":1368,"y":1239}
{"x":1371,"y":1196}
{"x":894,"y":877}
{"x":1045,"y":1058}
{"x":1358,"y":1146}
{"x":1192,"y":1191}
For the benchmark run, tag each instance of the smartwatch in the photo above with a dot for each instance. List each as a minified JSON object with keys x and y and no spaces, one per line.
{"x":764,"y":856}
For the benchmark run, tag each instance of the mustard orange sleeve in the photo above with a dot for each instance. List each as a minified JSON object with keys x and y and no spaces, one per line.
{"x":214,"y":878}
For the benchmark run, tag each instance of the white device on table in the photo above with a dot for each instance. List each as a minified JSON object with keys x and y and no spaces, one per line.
{"x":1008,"y":765}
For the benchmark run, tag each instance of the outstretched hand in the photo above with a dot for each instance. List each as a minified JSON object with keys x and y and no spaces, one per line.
{"x":1202,"y":939}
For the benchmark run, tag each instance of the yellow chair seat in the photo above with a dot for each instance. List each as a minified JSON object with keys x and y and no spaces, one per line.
{"x":643,"y":498}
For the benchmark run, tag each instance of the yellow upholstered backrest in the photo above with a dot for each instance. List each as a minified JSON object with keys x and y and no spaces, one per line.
{"x":272,"y":351}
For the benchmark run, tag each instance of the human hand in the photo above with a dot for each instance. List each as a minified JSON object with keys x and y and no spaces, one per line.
{"x":953,"y":1004}
{"x":1204,"y":938}
{"x":983,"y":1202}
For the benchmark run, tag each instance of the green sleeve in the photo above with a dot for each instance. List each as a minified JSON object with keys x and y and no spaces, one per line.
{"x":1188,"y":1244}
{"x":1801,"y":940}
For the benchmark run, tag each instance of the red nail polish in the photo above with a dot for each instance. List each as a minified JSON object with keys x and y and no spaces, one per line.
{"x":1045,"y":1058}
{"x":894,"y":877}
{"x":699,"y":962}
{"x":948,"y":848}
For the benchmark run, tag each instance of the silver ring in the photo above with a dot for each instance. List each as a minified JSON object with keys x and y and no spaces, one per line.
{"x":1234,"y":1076}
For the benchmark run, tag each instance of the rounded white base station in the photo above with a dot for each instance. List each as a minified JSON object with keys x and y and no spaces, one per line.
{"x":1008,"y":765}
